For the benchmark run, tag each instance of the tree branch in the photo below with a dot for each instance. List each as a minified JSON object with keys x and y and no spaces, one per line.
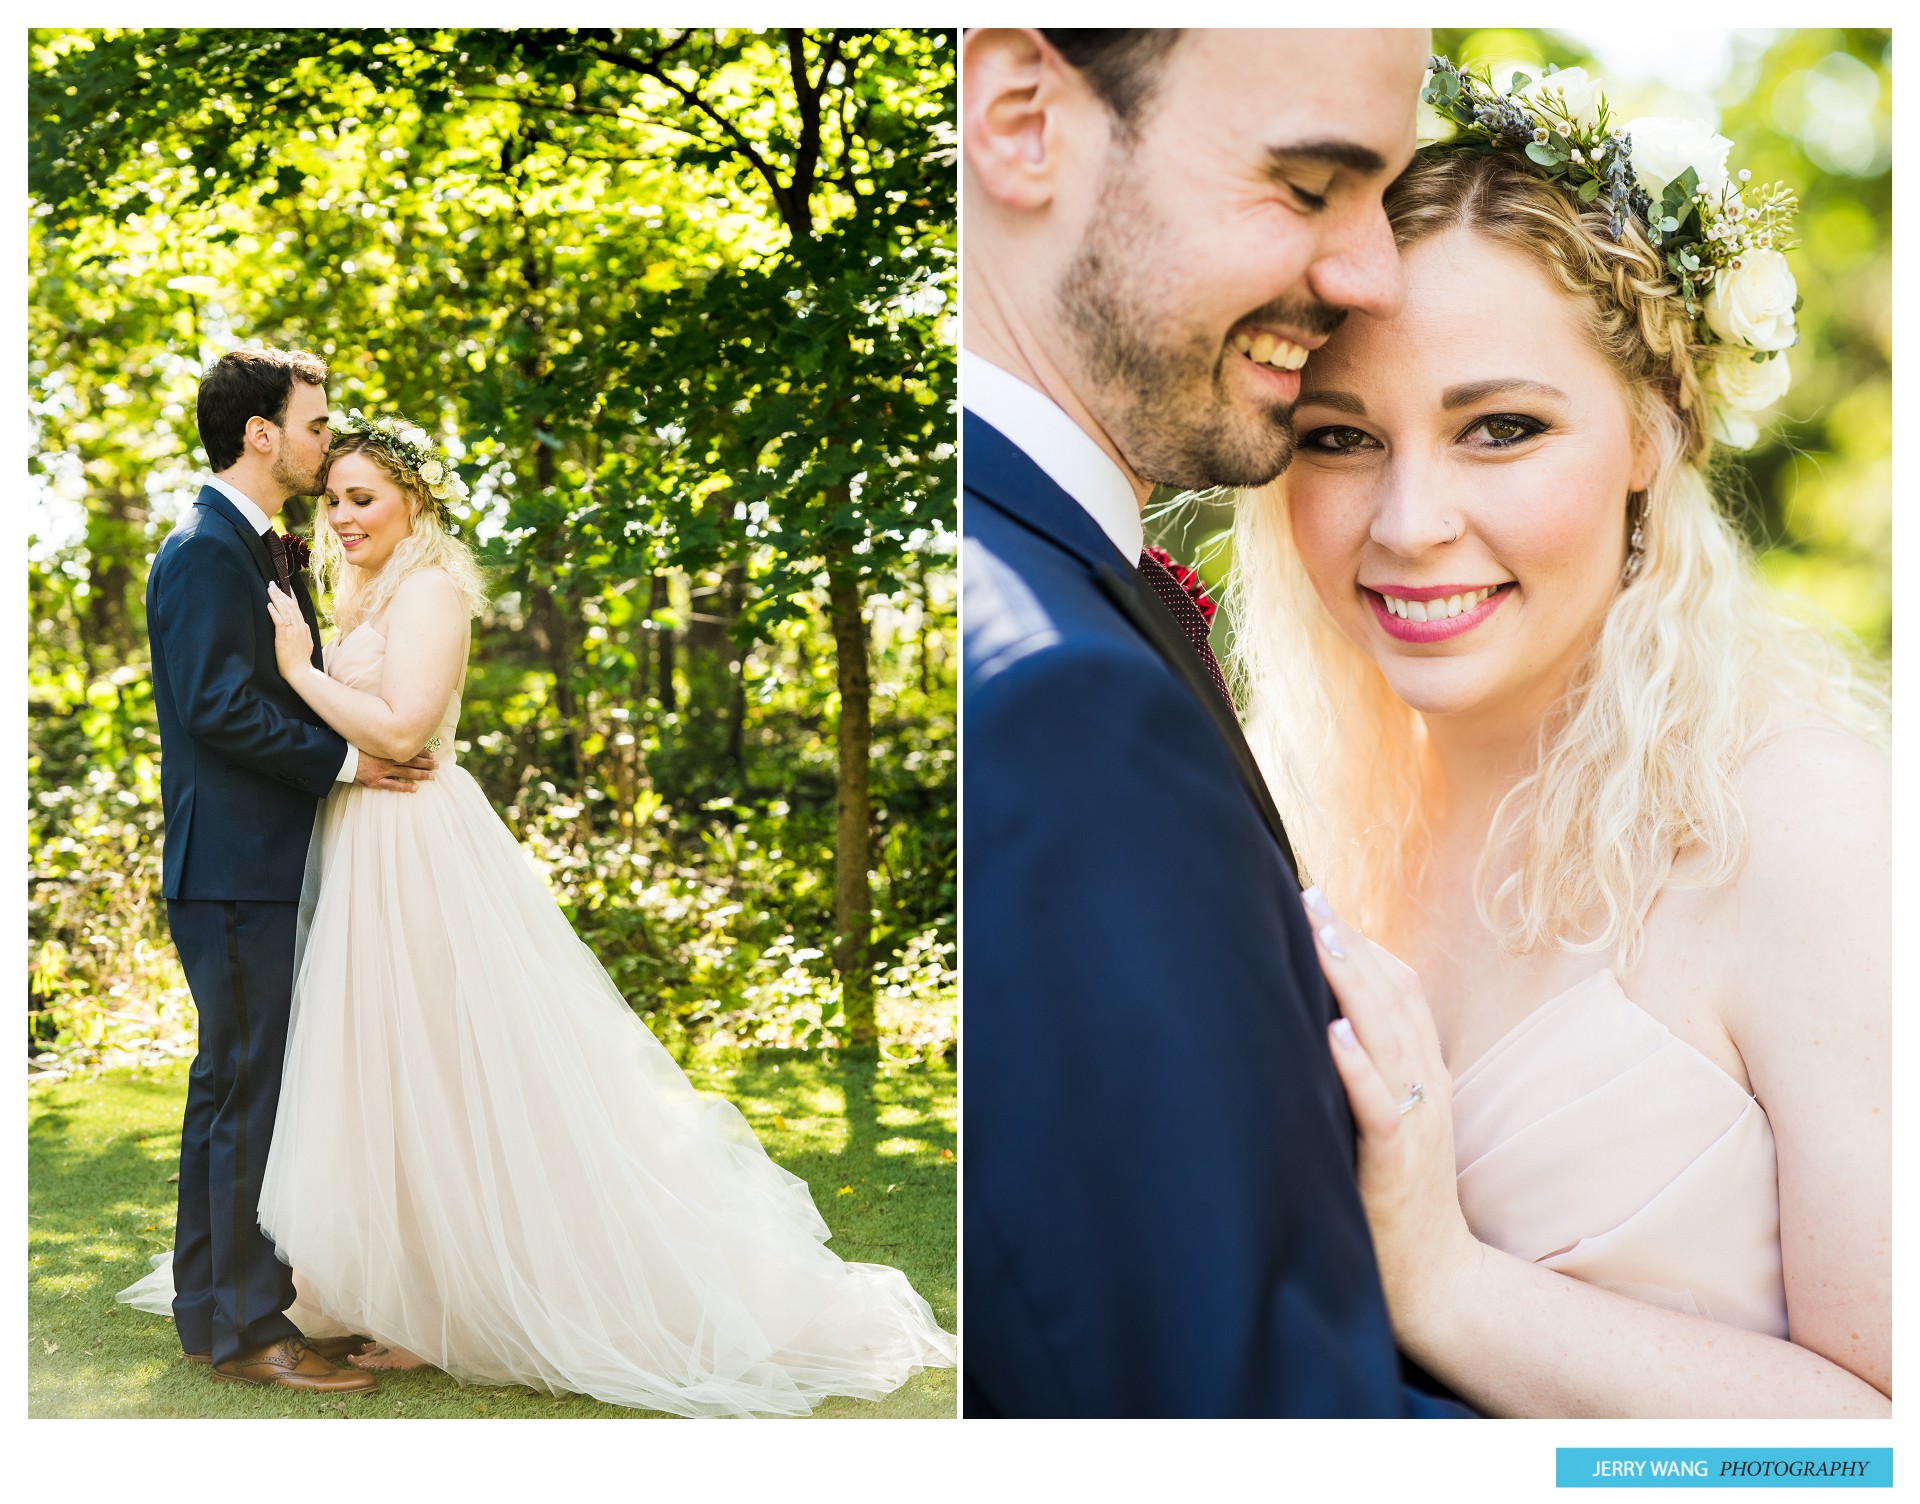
{"x":806,"y":157}
{"x":648,"y":67}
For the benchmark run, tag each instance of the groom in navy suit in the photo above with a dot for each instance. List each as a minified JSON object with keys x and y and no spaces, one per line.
{"x":243,"y":766}
{"x":1161,"y":1216}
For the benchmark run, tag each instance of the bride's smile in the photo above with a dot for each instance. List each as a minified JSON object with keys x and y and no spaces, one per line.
{"x":1462,"y":481}
{"x":1433,"y":613}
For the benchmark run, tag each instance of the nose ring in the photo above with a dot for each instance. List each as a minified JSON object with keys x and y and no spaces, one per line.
{"x":1453,"y":531}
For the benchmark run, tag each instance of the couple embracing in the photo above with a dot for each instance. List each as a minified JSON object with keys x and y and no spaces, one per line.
{"x":1474,"y":994}
{"x":423,"y":1126}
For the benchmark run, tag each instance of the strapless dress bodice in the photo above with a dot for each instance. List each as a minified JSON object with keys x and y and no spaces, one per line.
{"x":1594,"y":1141}
{"x":358,"y":658}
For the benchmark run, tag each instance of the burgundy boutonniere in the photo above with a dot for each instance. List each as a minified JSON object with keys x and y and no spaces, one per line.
{"x":1189,"y":581}
{"x":299,"y":552}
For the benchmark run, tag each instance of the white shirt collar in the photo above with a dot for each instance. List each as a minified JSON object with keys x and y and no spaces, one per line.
{"x":259,"y":519}
{"x":1042,"y":431}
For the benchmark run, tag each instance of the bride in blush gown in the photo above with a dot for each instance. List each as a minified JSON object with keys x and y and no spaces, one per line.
{"x":482,"y":1158}
{"x":1540,"y":733}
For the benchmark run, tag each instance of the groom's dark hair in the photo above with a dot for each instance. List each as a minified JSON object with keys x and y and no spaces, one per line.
{"x":1120,"y":65}
{"x":245,"y":384}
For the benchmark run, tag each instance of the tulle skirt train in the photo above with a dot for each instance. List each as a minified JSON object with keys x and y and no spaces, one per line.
{"x":484,"y":1157}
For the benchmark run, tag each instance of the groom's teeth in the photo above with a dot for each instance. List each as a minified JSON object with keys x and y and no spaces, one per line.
{"x":1288,"y":356}
{"x":1271,"y":350}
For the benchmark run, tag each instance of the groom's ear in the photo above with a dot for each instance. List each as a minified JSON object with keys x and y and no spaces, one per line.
{"x":1016,"y":86}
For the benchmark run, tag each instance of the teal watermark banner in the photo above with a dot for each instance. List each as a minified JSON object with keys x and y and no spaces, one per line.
{"x":1725,"y":1467}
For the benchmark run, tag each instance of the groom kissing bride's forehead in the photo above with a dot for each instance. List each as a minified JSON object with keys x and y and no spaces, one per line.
{"x":1173,"y":220}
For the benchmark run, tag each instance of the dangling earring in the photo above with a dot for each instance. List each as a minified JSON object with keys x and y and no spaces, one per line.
{"x":1636,"y":536}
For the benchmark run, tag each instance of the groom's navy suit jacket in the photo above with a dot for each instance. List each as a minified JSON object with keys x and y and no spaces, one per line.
{"x":243,"y":759}
{"x":1161,"y":1217}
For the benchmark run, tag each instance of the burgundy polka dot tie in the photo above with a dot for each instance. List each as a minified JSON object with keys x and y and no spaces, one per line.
{"x":278,"y":551}
{"x":1185,"y":610}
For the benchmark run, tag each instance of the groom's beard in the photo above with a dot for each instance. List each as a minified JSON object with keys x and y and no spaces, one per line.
{"x":1163,"y":393}
{"x":286,"y":472}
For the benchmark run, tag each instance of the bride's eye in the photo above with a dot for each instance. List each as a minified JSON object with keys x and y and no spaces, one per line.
{"x":1336,"y":439}
{"x":1503,"y":430}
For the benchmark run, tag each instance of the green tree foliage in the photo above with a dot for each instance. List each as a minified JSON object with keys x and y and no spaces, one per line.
{"x":681,"y":299}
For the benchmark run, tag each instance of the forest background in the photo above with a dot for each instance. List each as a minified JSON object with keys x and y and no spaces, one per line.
{"x":1811,"y":108}
{"x":681,"y":304}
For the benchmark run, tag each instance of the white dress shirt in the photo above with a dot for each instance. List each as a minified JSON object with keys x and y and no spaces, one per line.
{"x":261,"y":523}
{"x":1038,"y":427}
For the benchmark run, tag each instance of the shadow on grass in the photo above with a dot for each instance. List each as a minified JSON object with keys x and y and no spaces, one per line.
{"x":102,"y":1151}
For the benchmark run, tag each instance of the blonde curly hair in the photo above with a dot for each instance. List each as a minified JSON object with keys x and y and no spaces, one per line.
{"x":1693,"y":664}
{"x":428,"y":545}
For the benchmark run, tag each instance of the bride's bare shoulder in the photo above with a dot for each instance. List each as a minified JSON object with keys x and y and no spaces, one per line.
{"x":1818,"y":793}
{"x":1812,"y":903}
{"x":430,"y":589}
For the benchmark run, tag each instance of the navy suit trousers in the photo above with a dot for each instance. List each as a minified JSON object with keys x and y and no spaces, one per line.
{"x":231,"y":1292}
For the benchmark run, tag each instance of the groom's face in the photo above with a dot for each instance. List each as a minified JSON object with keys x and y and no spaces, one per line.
{"x":300,"y":454}
{"x":1237,"y":221}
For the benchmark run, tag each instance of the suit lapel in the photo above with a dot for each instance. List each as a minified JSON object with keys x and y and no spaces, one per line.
{"x":310,"y":615}
{"x":1003,"y":475}
{"x":217,"y":504}
{"x":1148,"y":612}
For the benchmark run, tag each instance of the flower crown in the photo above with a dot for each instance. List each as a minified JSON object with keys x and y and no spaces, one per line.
{"x":411,"y":451}
{"x":1721,"y":239}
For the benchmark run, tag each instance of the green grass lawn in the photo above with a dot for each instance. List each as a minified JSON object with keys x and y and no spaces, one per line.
{"x":876,"y":1149}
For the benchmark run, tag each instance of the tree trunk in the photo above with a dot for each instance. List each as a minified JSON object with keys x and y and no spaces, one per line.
{"x":853,"y":842}
{"x":658,"y":600}
{"x":553,"y":634}
{"x":734,"y":593}
{"x":926,"y":619}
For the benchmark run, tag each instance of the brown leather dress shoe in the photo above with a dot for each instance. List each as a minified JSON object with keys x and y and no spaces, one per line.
{"x":291,"y":1363}
{"x":333,"y":1349}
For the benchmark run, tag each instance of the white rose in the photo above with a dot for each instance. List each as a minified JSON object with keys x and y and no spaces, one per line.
{"x":1664,"y":147}
{"x":433,"y":472}
{"x":1754,"y":385}
{"x":1731,"y":426}
{"x":1579,"y":95}
{"x":414,"y":436}
{"x":1752,"y":304}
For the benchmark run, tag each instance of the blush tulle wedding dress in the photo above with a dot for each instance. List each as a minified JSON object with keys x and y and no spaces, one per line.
{"x":484,"y":1158}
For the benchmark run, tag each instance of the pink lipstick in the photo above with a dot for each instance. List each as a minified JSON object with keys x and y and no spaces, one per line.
{"x":1405,"y":629}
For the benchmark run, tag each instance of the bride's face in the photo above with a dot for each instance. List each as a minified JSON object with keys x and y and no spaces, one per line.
{"x":1460,"y":494}
{"x":367,"y":510}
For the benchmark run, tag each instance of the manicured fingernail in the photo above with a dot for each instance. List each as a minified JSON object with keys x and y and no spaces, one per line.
{"x":1317,"y":902}
{"x":1330,"y":938}
{"x":1343,"y":1032}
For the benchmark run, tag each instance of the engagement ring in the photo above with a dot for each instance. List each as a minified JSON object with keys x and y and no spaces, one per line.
{"x":1416,"y":1094}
